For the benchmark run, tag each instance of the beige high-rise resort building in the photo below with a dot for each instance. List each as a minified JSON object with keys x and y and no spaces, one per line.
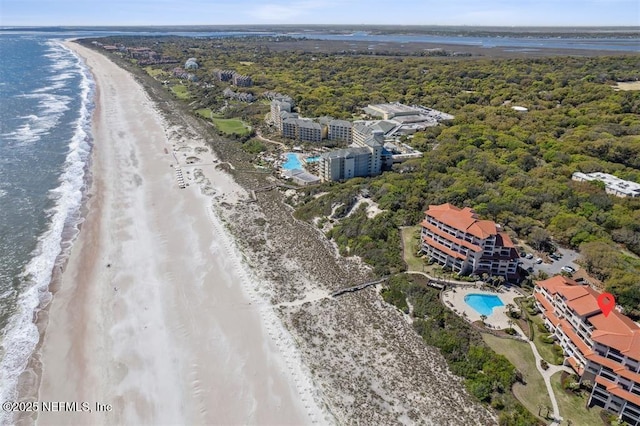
{"x":339,"y":130}
{"x":361,"y":161}
{"x":456,"y":238}
{"x":604,"y":350}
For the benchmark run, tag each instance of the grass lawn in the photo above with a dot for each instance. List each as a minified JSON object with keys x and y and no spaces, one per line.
{"x":534,"y":393}
{"x":155,"y":72}
{"x":545,"y":349}
{"x":232,"y":126}
{"x":181,"y":92}
{"x":204,"y":113}
{"x":410,"y":243}
{"x":574,"y":407}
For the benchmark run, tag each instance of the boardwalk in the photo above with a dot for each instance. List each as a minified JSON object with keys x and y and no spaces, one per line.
{"x":358,"y":287}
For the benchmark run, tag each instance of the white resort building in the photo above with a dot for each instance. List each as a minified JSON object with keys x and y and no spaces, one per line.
{"x":612,"y":184}
{"x":604,"y":350}
{"x":339,"y":130}
{"x":363,"y":160}
{"x":456,"y":238}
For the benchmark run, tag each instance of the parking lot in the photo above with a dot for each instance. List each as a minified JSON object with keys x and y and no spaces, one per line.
{"x":549,"y":266}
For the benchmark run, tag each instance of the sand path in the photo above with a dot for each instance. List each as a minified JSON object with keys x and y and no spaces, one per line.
{"x":151,"y":316}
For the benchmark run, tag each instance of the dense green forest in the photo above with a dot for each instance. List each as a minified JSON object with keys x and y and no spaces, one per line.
{"x":488,"y":376}
{"x":511,"y":167}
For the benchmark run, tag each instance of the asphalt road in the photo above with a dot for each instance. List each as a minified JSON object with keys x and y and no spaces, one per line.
{"x":552,"y":267}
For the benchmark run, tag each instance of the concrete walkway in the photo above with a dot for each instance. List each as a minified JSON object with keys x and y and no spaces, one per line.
{"x":546,"y":376}
{"x":262,"y":138}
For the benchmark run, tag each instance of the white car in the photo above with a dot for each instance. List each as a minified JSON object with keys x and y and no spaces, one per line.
{"x":538,"y":260}
{"x":568,"y":269}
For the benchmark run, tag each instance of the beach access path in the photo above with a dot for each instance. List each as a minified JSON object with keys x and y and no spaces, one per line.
{"x":150,"y":315}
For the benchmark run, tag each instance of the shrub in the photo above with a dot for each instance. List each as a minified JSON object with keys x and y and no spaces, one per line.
{"x":544,"y":364}
{"x":547,"y":339}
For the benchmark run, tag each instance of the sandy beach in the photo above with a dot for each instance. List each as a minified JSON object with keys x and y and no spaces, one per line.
{"x":210,"y":304}
{"x":154,"y":314}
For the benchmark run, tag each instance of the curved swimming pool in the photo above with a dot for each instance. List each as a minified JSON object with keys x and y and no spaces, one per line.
{"x":483,"y":303}
{"x":293,"y":161}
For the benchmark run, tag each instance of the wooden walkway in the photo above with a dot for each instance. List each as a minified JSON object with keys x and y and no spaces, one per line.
{"x":358,"y":287}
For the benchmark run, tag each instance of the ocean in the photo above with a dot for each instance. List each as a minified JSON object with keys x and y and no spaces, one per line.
{"x":46,"y":96}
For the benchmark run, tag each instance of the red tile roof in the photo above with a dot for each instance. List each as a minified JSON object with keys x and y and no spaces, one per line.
{"x":504,"y":240}
{"x":574,"y":364}
{"x":615,"y":366}
{"x":463,"y":219}
{"x":567,"y":328}
{"x":618,"y":391}
{"x":582,"y":299}
{"x":548,"y":308}
{"x":450,"y":237}
{"x":615,"y":330}
{"x":443,"y":248}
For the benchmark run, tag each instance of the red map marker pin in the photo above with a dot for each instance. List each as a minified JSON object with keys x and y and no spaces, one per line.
{"x":607,"y":302}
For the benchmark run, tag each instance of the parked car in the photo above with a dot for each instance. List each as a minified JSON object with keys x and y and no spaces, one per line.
{"x":529,"y":256}
{"x":554,"y":256}
{"x":538,"y":260}
{"x":568,"y":269}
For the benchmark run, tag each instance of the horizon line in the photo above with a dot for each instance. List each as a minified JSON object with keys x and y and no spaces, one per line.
{"x":5,"y":27}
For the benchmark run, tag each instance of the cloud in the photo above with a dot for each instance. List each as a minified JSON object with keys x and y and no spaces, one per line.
{"x":285,"y":12}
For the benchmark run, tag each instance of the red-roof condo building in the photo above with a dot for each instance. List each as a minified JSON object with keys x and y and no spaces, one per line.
{"x":456,"y":238}
{"x":603,"y":350}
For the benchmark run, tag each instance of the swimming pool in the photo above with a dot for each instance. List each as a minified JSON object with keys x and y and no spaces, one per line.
{"x":483,"y":303}
{"x":293,"y":162}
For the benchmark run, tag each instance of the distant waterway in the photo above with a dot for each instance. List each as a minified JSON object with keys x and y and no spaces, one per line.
{"x":592,"y":43}
{"x":524,"y":42}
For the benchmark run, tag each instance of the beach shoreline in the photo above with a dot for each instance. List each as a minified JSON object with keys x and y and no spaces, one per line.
{"x":352,"y":359}
{"x":153,"y":313}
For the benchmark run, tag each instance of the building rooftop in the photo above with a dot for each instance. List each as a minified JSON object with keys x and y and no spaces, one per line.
{"x":463,"y":219}
{"x":342,"y":123}
{"x":391,"y":109}
{"x":615,"y":330}
{"x":345,"y":152}
{"x":301,"y":175}
{"x":626,"y":187}
{"x":302,"y":122}
{"x":375,"y":140}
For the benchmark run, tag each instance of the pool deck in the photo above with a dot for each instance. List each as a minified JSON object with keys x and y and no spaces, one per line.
{"x":454,"y":298}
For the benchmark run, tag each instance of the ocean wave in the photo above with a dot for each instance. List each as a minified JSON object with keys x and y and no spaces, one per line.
{"x":21,"y":334}
{"x":2,"y":193}
{"x":51,"y":107}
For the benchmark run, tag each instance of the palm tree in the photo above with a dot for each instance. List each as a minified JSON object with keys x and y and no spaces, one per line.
{"x":510,"y":308}
{"x":483,"y":317}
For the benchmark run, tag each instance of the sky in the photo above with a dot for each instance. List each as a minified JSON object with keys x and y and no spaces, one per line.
{"x":372,"y":12}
